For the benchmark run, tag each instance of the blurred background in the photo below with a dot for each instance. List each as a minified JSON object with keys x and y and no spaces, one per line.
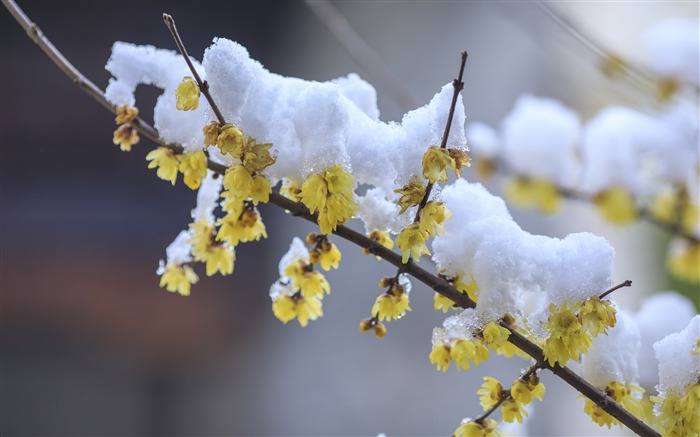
{"x":92,"y":346}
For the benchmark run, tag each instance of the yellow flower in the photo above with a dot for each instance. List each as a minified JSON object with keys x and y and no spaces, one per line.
{"x":314,"y":192}
{"x":684,"y":260}
{"x":231,"y":141}
{"x":238,"y":182}
{"x":440,"y":356}
{"x":211,"y":133}
{"x":671,"y":207}
{"x":616,"y":205}
{"x":286,"y":308}
{"x":526,"y":192}
{"x":441,"y":302}
{"x":312,"y":284}
{"x":411,"y":241}
{"x":679,"y":414}
{"x":291,"y":190}
{"x":390,"y":306}
{"x":380,"y":237}
{"x":432,"y":217}
{"x":330,"y":256}
{"x":256,"y":157}
{"x":219,"y":259}
{"x":339,"y":181}
{"x":495,"y":334}
{"x":475,"y":429}
{"x":261,"y":189}
{"x":125,"y":136}
{"x":462,"y":351}
{"x":202,"y":238}
{"x":193,"y":166}
{"x":512,"y":411}
{"x":242,"y":227}
{"x":126,"y":114}
{"x":470,"y":288}
{"x":567,"y":338}
{"x":166,"y":161}
{"x":436,"y":161}
{"x":187,"y":94}
{"x":491,"y":392}
{"x":339,"y":208}
{"x":485,"y":168}
{"x":597,"y":316}
{"x":411,"y":194}
{"x":460,"y":159}
{"x":523,"y":391}
{"x":179,"y":278}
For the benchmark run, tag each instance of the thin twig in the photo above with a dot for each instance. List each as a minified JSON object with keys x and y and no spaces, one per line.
{"x":362,"y":53}
{"x":627,"y":283}
{"x":457,"y":85}
{"x":436,"y":283}
{"x":203,"y":86}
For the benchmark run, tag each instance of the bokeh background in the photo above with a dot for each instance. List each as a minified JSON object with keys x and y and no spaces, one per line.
{"x":92,"y":346}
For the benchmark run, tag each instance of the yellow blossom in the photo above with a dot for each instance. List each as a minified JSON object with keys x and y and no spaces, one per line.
{"x":597,"y":316}
{"x":166,"y":161}
{"x":436,"y":161}
{"x":231,"y":141}
{"x":330,"y":256}
{"x":238,"y":182}
{"x":526,"y":192}
{"x":379,"y":330}
{"x":512,"y":411}
{"x":432,"y":217}
{"x":202,"y":238}
{"x":339,"y":181}
{"x":219,"y":258}
{"x":126,"y":114}
{"x":494,"y":334}
{"x":671,"y":207}
{"x":462,"y":351}
{"x":187,"y":94}
{"x":441,"y":302}
{"x":440,"y":356}
{"x":411,"y":241}
{"x":244,"y":227}
{"x":567,"y":338}
{"x":178,"y":278}
{"x":491,"y":392}
{"x":679,"y":414}
{"x":523,"y":391}
{"x":125,"y":136}
{"x":616,"y":205}
{"x":314,"y":192}
{"x":460,"y":159}
{"x":193,"y":166}
{"x":291,"y":190}
{"x":389,"y":306}
{"x":622,"y":394}
{"x":261,"y":189}
{"x":286,"y":308}
{"x":485,"y":168}
{"x":256,"y":157}
{"x":684,"y":260}
{"x":411,"y":194}
{"x":475,"y":429}
{"x":380,"y":237}
{"x":339,"y":208}
{"x":211,"y":133}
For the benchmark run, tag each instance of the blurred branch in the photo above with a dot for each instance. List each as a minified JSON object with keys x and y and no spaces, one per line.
{"x":362,"y":53}
{"x":436,"y":283}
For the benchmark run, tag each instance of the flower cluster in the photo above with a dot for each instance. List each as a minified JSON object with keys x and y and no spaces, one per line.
{"x":330,"y":193}
{"x":627,"y":395}
{"x":126,"y":134}
{"x":571,"y":328}
{"x":393,"y":304}
{"x":443,"y":303}
{"x":485,"y":428}
{"x":299,"y":291}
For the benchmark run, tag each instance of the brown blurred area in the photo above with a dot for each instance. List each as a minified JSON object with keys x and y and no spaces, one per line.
{"x":91,"y":346}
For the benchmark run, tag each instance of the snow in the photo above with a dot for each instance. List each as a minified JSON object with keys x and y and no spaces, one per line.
{"x":677,"y":366}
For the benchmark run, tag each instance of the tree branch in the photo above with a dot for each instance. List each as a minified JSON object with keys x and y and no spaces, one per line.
{"x":436,"y":283}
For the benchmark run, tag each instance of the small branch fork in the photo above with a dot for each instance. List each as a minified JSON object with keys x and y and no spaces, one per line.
{"x":436,"y":283}
{"x":532,"y":369}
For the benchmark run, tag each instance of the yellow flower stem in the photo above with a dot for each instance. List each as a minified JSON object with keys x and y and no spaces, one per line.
{"x":297,"y":209}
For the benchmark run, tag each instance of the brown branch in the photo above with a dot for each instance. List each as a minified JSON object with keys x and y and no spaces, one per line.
{"x":436,"y":283}
{"x":457,"y":84}
{"x":627,"y":283}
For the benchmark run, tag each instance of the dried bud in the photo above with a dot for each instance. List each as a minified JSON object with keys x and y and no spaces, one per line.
{"x":312,"y":238}
{"x":379,"y":330}
{"x":211,"y":133}
{"x":126,"y":114}
{"x":460,"y":158}
{"x":366,"y":325}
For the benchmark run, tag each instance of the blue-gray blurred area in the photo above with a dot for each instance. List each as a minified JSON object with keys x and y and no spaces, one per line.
{"x":92,"y":346}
